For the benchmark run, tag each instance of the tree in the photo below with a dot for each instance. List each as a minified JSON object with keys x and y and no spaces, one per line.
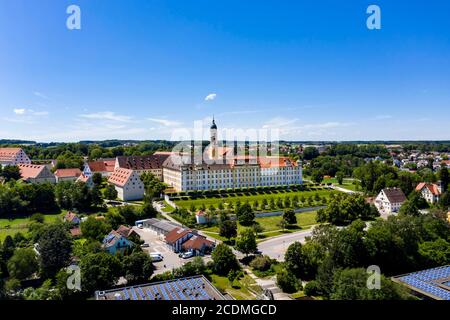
{"x":97,"y":178}
{"x":435,"y":253}
{"x":245,"y":215}
{"x":99,"y":271}
{"x":10,"y":173}
{"x":224,"y":259}
{"x":94,"y":229}
{"x":110,"y":192}
{"x":294,"y":259}
{"x":55,"y":248}
{"x":228,"y":229}
{"x":317,"y":176}
{"x":8,"y":247}
{"x":351,"y":284}
{"x":310,"y":153}
{"x":409,"y":208}
{"x":340,"y":177}
{"x":148,"y":211}
{"x":138,"y":267}
{"x":444,"y":177}
{"x":290,"y":217}
{"x":246,"y":242}
{"x":23,"y":264}
{"x":287,"y":281}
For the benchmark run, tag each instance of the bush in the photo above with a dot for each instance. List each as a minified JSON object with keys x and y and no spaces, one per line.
{"x":261,"y":263}
{"x":287,"y":281}
{"x":312,"y":288}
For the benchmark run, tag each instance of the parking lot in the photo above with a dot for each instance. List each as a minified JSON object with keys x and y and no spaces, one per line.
{"x":157,"y":244}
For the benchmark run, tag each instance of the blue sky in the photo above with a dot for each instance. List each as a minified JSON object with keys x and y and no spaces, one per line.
{"x":142,"y":69}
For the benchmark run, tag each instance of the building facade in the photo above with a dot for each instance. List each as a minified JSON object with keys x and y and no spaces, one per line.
{"x":13,"y":156}
{"x":36,"y":173}
{"x":389,"y":200}
{"x":140,"y":164}
{"x":431,"y":192}
{"x":127,"y":183}
{"x":185,"y":174}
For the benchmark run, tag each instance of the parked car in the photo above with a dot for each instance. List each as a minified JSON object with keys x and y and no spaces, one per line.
{"x":145,"y":245}
{"x":156,"y":257}
{"x":186,"y":255}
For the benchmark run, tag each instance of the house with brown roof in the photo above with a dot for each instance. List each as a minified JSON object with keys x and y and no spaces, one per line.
{"x":71,"y":174}
{"x":389,"y":200}
{"x":13,"y":156}
{"x":431,"y":192}
{"x":33,"y":173}
{"x":72,"y":218}
{"x":86,"y":179}
{"x":104,"y":166}
{"x":150,"y":163}
{"x":127,"y":183}
{"x":114,"y":243}
{"x":177,"y":237}
{"x":198,"y":244}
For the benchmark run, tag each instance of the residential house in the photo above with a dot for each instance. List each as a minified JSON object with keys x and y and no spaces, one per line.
{"x":72,"y":218}
{"x":150,"y":163}
{"x":389,"y":200}
{"x":429,"y":191}
{"x":86,"y":179}
{"x":201,"y":217}
{"x":160,"y":227}
{"x":71,"y":174}
{"x":114,"y":243}
{"x":127,"y":232}
{"x":105,"y":167}
{"x":198,"y":244}
{"x":127,"y":183}
{"x":33,"y":173}
{"x":177,"y":237}
{"x":13,"y":156}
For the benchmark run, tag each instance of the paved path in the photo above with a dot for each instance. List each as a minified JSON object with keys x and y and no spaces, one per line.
{"x":276,"y":247}
{"x":270,"y":284}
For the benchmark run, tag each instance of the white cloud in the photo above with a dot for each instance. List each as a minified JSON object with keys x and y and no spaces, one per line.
{"x":279,"y":123}
{"x":40,"y":95}
{"x":210,"y":97}
{"x":165,"y":122}
{"x":107,"y":115}
{"x":19,"y":111}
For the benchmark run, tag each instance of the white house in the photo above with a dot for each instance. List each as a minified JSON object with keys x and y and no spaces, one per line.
{"x":389,"y":200}
{"x":13,"y":156}
{"x":104,"y":166}
{"x":71,"y":174}
{"x":431,"y":192}
{"x":127,"y":183}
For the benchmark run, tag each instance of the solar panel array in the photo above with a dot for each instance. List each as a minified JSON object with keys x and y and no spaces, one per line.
{"x":179,"y":289}
{"x":429,"y":282}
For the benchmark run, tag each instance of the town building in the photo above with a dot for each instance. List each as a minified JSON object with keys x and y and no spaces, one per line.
{"x":219,"y":170}
{"x":140,"y":164}
{"x":105,"y":167}
{"x":13,"y":156}
{"x":86,"y":179}
{"x":72,"y":218}
{"x":177,"y":237}
{"x":160,"y":227}
{"x":431,"y":192}
{"x":198,"y":244}
{"x":33,"y":173}
{"x":191,"y":288}
{"x":114,"y":243}
{"x":127,"y":183}
{"x":71,"y":174}
{"x":389,"y":200}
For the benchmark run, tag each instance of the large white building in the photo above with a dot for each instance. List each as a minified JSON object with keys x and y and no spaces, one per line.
{"x":389,"y":200}
{"x":186,"y":174}
{"x":13,"y":156}
{"x":127,"y":183}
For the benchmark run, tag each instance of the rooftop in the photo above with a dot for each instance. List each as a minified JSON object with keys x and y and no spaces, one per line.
{"x":191,"y":288}
{"x":433,"y":283}
{"x":120,"y":176}
{"x":149,"y":162}
{"x":68,"y":173}
{"x":28,"y":171}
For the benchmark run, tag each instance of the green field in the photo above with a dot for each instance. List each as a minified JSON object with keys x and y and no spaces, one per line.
{"x":251,"y":198}
{"x":270,"y":225}
{"x":241,"y":289}
{"x":13,"y":226}
{"x":346,"y":184}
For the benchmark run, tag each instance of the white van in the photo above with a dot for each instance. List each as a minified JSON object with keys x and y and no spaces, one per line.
{"x":156,"y":256}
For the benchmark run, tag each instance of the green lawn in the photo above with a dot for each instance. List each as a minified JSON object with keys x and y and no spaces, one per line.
{"x":270,"y":225}
{"x":251,"y":198}
{"x":11,"y":227}
{"x":241,"y":289}
{"x":346,"y":184}
{"x":168,"y":208}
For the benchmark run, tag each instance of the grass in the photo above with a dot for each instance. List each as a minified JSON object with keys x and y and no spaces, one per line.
{"x":242,"y":288}
{"x":304,"y":220}
{"x":9,"y":227}
{"x":346,"y":184}
{"x":168,"y":208}
{"x":251,"y":198}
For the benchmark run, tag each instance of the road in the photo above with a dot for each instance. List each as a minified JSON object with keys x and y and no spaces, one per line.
{"x":276,"y":247}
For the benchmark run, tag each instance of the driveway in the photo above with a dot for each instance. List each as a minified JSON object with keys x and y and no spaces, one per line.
{"x":276,"y":247}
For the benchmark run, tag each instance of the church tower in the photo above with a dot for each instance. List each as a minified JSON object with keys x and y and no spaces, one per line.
{"x":213,"y":140}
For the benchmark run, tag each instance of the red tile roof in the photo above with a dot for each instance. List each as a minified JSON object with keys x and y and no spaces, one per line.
{"x":76,"y":232}
{"x":197,"y":242}
{"x":176,"y":234}
{"x":434,"y":188}
{"x":8,"y":154}
{"x":68,"y":173}
{"x":102,"y":166}
{"x":28,"y":171}
{"x":120,"y":176}
{"x":394,"y":195}
{"x":83,"y":178}
{"x":154,"y":161}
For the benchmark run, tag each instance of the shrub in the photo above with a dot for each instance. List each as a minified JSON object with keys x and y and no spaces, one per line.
{"x":261,"y":263}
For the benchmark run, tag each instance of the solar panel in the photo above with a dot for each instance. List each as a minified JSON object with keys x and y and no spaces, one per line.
{"x":150,"y":295}
{"x":127,"y":296}
{"x":141,"y":293}
{"x":163,"y":291}
{"x":133,"y":294}
{"x":425,"y":281}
